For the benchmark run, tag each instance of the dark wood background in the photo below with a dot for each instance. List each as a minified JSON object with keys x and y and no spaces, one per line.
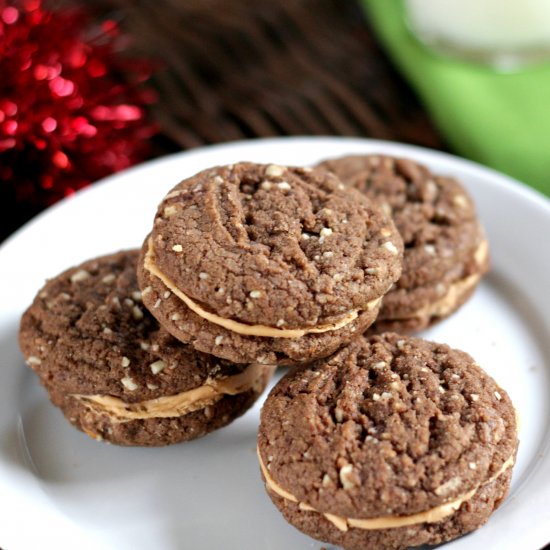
{"x":235,"y":69}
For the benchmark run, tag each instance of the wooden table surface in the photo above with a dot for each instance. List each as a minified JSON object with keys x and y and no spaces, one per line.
{"x":235,"y":69}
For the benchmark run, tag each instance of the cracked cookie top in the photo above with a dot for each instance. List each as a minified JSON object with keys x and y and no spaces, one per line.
{"x":435,"y":215}
{"x":273,"y":246}
{"x":387,"y":426}
{"x":87,"y":332}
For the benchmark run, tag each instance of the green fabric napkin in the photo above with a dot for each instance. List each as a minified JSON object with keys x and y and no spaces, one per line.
{"x":501,"y":120}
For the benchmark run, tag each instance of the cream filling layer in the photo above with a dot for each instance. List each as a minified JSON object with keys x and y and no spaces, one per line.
{"x":432,"y":515}
{"x":181,"y":403}
{"x":243,"y":328}
{"x":446,"y":304}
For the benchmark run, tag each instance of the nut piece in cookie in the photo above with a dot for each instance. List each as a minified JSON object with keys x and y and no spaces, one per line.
{"x":268,"y":264}
{"x":390,"y":443}
{"x":116,"y":374}
{"x":446,"y":252}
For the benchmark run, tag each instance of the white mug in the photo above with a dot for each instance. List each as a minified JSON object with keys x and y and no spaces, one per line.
{"x":507,"y":34}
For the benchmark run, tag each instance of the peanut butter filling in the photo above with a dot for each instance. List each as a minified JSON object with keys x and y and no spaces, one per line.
{"x":242,"y":328}
{"x":447,"y":303}
{"x":181,"y":403}
{"x":432,"y":515}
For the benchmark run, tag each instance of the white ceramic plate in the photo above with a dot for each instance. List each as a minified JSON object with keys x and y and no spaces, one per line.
{"x":60,"y":489}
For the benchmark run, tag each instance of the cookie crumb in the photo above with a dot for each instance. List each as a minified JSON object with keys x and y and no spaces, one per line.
{"x":460,"y":201}
{"x":33,"y":360}
{"x":137,"y":313}
{"x":129,"y":383}
{"x":177,"y":248}
{"x":386,"y":208}
{"x":157,"y":366}
{"x":173,"y":194}
{"x":274,"y":170}
{"x":80,"y":275}
{"x":346,"y":477}
{"x":170,"y":210}
{"x":431,"y":189}
{"x":390,"y":247}
{"x":448,"y":487}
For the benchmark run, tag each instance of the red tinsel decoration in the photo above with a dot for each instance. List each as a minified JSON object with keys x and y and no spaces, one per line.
{"x":71,"y":107}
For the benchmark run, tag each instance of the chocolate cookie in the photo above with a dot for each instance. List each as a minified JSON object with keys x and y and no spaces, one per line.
{"x":266,"y":263}
{"x":446,"y":252}
{"x":390,"y":443}
{"x":117,"y":375}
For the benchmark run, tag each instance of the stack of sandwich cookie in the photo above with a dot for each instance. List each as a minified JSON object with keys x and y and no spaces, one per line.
{"x":267,"y":264}
{"x":392,"y":442}
{"x":446,"y":252}
{"x":115,"y":373}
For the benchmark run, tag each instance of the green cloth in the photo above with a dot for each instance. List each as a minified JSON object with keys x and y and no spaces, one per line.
{"x":501,"y":120}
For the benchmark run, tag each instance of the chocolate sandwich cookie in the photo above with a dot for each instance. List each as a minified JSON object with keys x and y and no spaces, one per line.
{"x":267,"y":264}
{"x":446,"y":252}
{"x":116,"y":374}
{"x":393,"y":442}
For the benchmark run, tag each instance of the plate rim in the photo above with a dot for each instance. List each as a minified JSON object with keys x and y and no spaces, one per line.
{"x":532,"y":196}
{"x":529,"y":193}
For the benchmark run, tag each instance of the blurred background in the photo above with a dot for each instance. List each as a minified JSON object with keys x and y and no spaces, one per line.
{"x":90,"y":88}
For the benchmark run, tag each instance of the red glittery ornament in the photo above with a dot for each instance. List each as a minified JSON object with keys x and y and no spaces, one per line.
{"x":71,"y":106}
